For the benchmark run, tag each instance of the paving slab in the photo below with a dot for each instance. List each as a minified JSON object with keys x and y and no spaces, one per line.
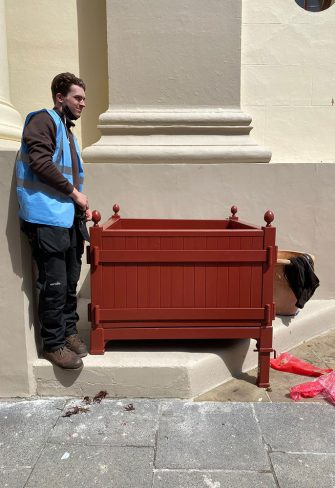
{"x":24,"y":429}
{"x":209,"y":436}
{"x":87,"y":466}
{"x":282,"y":382}
{"x":324,"y":348}
{"x":297,"y":427}
{"x":212,"y":479}
{"x":304,"y":470}
{"x":112,"y":422}
{"x":241,"y":389}
{"x":14,"y":477}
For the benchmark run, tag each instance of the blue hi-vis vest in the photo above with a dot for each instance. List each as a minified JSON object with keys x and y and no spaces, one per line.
{"x":39,"y":202}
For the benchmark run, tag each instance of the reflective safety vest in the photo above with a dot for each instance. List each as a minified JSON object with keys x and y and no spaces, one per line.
{"x":39,"y":202}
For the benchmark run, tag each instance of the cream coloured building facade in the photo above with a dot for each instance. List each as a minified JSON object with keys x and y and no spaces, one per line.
{"x":173,"y":86}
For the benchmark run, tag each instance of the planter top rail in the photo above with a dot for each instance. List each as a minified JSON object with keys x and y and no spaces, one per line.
{"x":176,"y":226}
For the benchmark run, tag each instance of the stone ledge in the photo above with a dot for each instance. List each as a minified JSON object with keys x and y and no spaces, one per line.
{"x":175,"y":369}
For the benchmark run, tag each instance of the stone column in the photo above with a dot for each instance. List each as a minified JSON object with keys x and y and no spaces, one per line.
{"x":10,"y":120}
{"x":17,"y":345}
{"x":174,"y":85}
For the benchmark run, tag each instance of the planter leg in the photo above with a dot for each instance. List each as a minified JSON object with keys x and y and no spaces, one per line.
{"x":97,"y":341}
{"x":264,"y":350}
{"x":263,"y":369}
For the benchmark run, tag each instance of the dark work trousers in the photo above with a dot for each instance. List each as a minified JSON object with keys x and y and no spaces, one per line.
{"x":57,"y":252}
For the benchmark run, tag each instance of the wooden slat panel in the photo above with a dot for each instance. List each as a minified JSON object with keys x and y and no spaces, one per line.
{"x":143,"y":276}
{"x":175,"y":256}
{"x":211,"y":274}
{"x":131,"y":276}
{"x":199,"y":275}
{"x":154,"y":286}
{"x":166,"y":275}
{"x":177,"y":275}
{"x":106,"y":296}
{"x":189,"y":276}
{"x":256,"y":276}
{"x":234,"y":274}
{"x":120,"y":281}
{"x":115,"y":243}
{"x":120,"y":288}
{"x":222,"y":279}
{"x":142,"y":314}
{"x":245,"y":276}
{"x":154,"y":275}
{"x":188,"y":285}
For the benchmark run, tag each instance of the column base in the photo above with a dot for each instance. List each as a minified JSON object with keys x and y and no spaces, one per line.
{"x":10,"y":124}
{"x":176,"y":136}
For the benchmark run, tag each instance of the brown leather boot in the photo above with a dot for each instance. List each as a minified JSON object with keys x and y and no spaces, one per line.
{"x":64,"y":358}
{"x":75,"y":344}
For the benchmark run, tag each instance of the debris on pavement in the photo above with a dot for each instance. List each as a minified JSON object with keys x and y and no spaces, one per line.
{"x":324,"y":385}
{"x":290,"y":364}
{"x":74,"y":410}
{"x":100,"y":396}
{"x":129,"y":407}
{"x":81,"y":408}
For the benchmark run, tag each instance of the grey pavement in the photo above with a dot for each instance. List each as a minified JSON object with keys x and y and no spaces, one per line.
{"x":166,"y":444}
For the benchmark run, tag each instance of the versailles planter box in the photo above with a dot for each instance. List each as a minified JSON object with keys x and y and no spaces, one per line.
{"x":182,"y":279}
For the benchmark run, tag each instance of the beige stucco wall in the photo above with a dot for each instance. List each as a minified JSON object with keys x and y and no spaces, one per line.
{"x":92,"y":36}
{"x":42,"y":41}
{"x":17,"y":345}
{"x":288,"y":70}
{"x":288,"y":79}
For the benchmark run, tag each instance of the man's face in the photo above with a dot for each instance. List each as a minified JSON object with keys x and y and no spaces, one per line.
{"x":75,"y":100}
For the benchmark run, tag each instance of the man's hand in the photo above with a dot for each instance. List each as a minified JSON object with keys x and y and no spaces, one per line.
{"x":88,"y":214}
{"x":80,"y":199}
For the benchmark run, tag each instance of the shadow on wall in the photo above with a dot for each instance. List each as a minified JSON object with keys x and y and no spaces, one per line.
{"x":21,"y":260}
{"x":93,"y":65}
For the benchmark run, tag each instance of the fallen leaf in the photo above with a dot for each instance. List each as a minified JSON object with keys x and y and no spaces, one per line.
{"x":100,"y":396}
{"x":75,"y":410}
{"x":129,"y":407}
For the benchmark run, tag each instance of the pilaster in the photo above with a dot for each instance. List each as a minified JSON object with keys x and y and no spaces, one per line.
{"x":10,"y":119}
{"x":174,"y":85}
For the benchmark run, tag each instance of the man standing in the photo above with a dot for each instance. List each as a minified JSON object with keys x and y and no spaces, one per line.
{"x":53,"y":210}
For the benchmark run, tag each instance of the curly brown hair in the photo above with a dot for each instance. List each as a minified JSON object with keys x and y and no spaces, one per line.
{"x":62,"y":84}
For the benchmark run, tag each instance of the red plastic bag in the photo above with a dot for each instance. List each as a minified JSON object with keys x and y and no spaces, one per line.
{"x":306,"y":390}
{"x":328,"y":383}
{"x":290,"y":364}
{"x":324,"y":385}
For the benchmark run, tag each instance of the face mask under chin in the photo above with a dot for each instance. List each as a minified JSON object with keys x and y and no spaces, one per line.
{"x":67,"y":112}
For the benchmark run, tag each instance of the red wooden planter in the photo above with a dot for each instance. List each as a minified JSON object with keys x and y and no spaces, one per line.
{"x":182,"y":279}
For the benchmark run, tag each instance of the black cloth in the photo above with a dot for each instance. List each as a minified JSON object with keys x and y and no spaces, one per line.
{"x":302,"y":279}
{"x":57,"y":252}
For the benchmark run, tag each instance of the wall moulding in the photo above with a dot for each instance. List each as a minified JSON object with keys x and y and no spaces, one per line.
{"x":176,"y":136}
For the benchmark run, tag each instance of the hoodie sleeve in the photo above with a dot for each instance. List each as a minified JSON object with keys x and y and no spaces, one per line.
{"x":40,"y":137}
